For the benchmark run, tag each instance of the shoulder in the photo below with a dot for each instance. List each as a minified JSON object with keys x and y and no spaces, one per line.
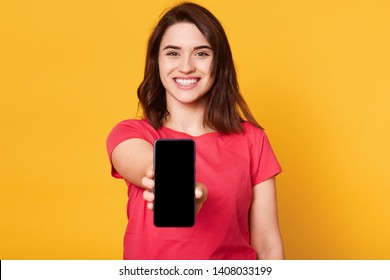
{"x":255,"y":136}
{"x":251,"y":131}
{"x":246,"y":125}
{"x":135,"y":123}
{"x":132,"y":128}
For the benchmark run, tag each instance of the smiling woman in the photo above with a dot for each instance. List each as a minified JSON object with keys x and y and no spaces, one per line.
{"x":185,"y":60}
{"x":225,"y":103}
{"x":190,"y":91}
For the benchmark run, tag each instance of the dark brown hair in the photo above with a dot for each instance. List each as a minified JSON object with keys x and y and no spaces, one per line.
{"x":225,"y":105}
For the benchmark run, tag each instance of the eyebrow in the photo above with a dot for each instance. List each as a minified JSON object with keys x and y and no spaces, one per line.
{"x":195,"y":48}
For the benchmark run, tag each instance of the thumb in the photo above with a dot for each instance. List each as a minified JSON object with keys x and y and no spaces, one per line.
{"x":200,"y":192}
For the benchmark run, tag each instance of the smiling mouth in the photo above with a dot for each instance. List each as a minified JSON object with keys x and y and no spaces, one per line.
{"x":186,"y":82}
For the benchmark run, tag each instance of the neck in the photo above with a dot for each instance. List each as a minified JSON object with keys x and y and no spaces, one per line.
{"x":187,"y":118}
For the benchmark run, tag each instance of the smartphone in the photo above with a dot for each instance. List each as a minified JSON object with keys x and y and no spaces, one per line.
{"x":174,"y":188}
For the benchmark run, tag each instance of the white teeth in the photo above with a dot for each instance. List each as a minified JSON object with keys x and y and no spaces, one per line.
{"x":185,"y":82}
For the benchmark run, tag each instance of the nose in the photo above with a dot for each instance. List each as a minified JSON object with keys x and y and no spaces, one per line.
{"x":187,"y":65}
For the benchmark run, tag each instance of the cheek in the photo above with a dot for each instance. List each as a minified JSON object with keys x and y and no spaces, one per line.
{"x":211,"y":76}
{"x":163,"y":73}
{"x":210,"y":83}
{"x":206,"y":68}
{"x":161,"y":70}
{"x":165,"y":68}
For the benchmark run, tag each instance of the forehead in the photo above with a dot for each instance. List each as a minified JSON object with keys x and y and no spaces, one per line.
{"x":183,"y":34}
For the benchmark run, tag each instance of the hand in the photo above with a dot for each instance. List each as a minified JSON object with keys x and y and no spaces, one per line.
{"x":200,"y":196}
{"x":148,"y":195}
{"x":148,"y":184}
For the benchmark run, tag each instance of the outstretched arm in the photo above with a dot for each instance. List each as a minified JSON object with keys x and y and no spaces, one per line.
{"x":132,"y":158}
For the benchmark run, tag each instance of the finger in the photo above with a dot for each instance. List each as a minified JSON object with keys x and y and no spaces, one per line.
{"x":200,"y":195}
{"x":150,"y":205}
{"x":147,"y":183}
{"x":148,"y":196}
{"x":150,"y":172}
{"x":200,"y":192}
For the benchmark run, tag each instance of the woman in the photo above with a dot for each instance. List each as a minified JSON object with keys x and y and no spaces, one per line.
{"x":190,"y":90}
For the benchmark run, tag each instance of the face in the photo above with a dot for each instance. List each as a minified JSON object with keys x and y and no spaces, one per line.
{"x":185,"y":59}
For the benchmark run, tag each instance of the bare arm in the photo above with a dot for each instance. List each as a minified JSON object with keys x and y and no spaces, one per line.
{"x":132,"y":158}
{"x":264,"y":226}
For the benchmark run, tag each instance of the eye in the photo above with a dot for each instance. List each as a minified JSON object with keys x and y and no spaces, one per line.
{"x":202,"y":54}
{"x":172,"y":53}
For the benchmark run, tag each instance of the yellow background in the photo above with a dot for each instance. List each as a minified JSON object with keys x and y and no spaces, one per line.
{"x":315,"y":73}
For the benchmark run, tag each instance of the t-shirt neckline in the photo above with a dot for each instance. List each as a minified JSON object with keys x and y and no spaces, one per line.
{"x":211,"y":133}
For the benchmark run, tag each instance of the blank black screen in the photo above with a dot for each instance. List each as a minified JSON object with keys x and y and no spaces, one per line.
{"x":174,"y":165}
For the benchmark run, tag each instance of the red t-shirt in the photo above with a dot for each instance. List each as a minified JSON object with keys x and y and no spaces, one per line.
{"x":229,"y":166}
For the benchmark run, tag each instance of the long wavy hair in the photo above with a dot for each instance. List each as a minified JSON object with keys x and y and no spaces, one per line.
{"x":226,"y":109}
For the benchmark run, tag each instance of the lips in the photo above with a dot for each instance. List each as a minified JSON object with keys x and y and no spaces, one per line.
{"x":186,"y":82}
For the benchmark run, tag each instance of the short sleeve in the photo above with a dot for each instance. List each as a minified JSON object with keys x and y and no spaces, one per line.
{"x":125,"y":130}
{"x":264,"y":162}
